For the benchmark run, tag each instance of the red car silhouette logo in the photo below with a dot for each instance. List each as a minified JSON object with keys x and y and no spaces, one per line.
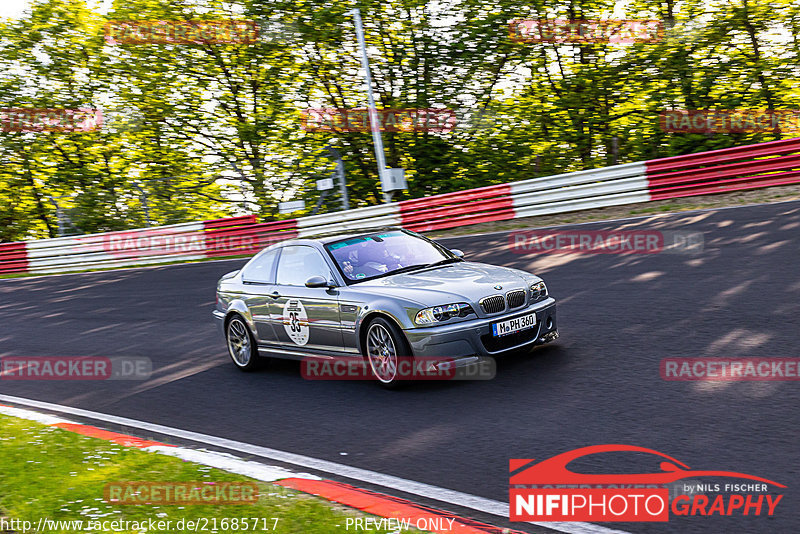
{"x":554,"y":470}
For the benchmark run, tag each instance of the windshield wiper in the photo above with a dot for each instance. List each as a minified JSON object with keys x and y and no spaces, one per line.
{"x":419,"y":266}
{"x":444,"y":262}
{"x":408,"y":268}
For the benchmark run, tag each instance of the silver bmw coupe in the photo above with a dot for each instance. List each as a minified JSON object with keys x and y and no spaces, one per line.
{"x":376,"y":298}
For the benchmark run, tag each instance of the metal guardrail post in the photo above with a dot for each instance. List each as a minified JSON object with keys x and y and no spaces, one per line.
{"x":148,"y":223}
{"x":373,"y":112}
{"x":340,"y":175}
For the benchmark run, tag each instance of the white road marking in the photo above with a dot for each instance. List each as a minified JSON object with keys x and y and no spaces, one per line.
{"x":230,"y":463}
{"x":42,"y":418}
{"x":219,"y":460}
{"x":465,"y":500}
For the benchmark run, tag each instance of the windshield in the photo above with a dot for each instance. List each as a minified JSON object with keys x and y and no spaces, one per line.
{"x":370,"y":256}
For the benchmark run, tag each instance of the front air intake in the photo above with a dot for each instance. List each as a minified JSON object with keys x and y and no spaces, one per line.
{"x":494,"y":304}
{"x":515,"y":298}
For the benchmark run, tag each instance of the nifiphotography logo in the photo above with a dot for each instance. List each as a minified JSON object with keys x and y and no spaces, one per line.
{"x":549,"y":491}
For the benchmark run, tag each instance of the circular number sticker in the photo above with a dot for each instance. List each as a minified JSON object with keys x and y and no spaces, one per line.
{"x":295,"y":321}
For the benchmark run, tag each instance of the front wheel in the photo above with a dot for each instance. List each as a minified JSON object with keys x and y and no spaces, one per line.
{"x":241,"y":345}
{"x":385,"y":346}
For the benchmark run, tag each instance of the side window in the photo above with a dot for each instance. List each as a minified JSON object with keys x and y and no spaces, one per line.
{"x":260,"y":269}
{"x":299,"y":263}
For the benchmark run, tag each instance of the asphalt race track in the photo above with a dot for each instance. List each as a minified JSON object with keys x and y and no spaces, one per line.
{"x":619,"y":316}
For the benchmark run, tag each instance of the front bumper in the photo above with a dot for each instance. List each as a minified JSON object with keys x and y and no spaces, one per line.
{"x":474,"y":337}
{"x":219,"y":319}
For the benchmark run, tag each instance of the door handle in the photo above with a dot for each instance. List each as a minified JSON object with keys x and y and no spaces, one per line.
{"x":274,"y":294}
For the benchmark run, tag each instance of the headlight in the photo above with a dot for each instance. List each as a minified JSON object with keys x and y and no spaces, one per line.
{"x":439,"y":314}
{"x":538,"y":291}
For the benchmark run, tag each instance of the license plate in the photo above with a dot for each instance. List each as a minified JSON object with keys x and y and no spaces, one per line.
{"x":511,"y":326}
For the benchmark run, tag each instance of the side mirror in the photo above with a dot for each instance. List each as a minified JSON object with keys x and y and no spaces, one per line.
{"x":457,"y":253}
{"x":316,"y":281}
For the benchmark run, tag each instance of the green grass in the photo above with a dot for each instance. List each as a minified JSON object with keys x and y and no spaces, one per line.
{"x":46,"y":472}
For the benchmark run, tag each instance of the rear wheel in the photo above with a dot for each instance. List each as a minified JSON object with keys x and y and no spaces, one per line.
{"x":241,"y":344}
{"x":385,"y":347}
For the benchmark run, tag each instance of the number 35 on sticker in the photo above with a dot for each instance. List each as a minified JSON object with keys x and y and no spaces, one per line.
{"x":295,"y":321}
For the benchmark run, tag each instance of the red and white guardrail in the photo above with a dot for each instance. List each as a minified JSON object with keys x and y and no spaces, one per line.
{"x":177,"y":242}
{"x":718,"y":171}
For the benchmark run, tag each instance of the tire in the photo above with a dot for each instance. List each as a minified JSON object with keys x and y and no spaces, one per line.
{"x":241,"y":344}
{"x":384,"y":343}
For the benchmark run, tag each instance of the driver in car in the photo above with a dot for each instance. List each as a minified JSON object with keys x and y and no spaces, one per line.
{"x":368,"y":259}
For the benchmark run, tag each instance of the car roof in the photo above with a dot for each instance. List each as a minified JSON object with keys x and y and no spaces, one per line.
{"x":330,"y":237}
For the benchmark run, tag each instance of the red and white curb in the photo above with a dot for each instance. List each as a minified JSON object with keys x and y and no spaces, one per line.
{"x":332,"y":490}
{"x":423,"y":517}
{"x":370,"y":502}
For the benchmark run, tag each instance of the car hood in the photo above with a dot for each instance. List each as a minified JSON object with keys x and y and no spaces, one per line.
{"x":457,"y":282}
